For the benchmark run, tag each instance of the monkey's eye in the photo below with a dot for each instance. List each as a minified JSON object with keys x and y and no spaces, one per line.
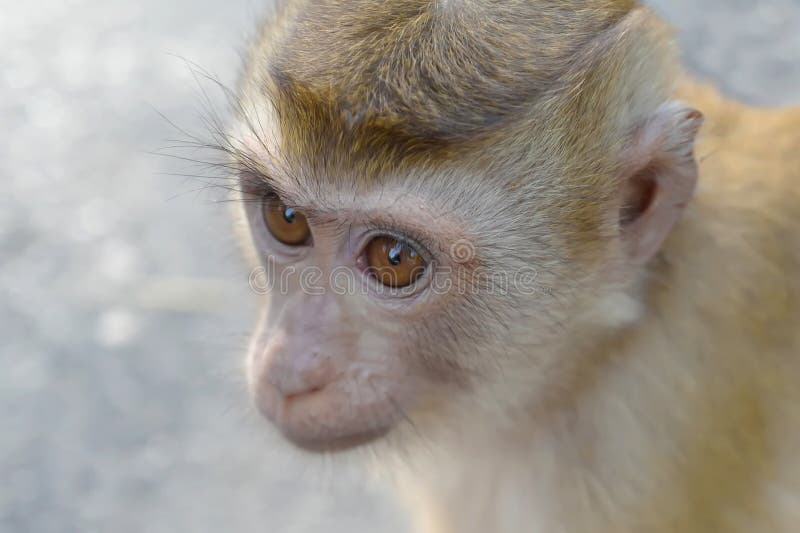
{"x":393,"y":262}
{"x":285,"y":223}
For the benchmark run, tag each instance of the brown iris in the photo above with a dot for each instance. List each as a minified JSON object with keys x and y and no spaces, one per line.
{"x":285,"y":223}
{"x":393,"y":262}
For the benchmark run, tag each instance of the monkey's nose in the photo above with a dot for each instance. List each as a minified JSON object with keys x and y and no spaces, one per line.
{"x":301,"y":375}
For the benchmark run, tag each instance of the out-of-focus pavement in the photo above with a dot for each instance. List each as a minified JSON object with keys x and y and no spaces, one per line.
{"x":123,"y":305}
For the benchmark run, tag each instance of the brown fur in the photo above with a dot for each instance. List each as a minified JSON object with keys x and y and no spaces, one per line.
{"x":437,"y":79}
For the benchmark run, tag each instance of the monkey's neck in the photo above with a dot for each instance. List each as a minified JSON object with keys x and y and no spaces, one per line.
{"x":638,"y":450}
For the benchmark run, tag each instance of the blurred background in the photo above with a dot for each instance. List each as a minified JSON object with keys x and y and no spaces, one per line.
{"x":123,"y":304}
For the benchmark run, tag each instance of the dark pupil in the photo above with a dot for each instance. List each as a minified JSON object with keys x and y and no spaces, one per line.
{"x":396,"y":254}
{"x":288,"y":215}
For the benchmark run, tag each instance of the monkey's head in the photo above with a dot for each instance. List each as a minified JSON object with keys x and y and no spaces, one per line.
{"x":451,"y":204}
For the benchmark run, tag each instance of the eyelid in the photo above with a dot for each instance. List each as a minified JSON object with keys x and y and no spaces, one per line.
{"x":409,"y":238}
{"x":270,"y":195}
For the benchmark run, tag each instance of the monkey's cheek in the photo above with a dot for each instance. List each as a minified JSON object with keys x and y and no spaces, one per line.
{"x":335,"y":418}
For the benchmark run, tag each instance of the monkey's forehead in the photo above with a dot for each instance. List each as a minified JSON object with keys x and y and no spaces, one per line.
{"x":413,"y":77}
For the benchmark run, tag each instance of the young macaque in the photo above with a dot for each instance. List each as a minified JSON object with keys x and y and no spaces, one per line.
{"x":551,"y":283}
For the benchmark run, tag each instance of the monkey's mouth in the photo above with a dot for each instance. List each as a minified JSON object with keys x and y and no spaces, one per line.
{"x":318,"y":444}
{"x":324,"y":421}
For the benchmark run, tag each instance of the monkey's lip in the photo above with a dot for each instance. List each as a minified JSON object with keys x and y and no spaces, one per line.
{"x":318,"y":444}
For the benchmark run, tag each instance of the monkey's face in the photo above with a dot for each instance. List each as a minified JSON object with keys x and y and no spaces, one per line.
{"x":382,"y":305}
{"x":332,"y":363}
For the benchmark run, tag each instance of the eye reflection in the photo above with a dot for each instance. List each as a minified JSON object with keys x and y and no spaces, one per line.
{"x":394,"y":263}
{"x":286,"y":224}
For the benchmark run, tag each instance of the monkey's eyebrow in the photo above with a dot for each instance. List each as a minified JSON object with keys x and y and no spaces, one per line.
{"x":262,"y":183}
{"x":254,"y":174}
{"x":257,"y":180}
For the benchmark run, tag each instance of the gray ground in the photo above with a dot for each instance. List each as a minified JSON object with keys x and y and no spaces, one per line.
{"x":122,"y":302}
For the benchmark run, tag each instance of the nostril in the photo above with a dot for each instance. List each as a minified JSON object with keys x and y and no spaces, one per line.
{"x":301,"y":375}
{"x":308,"y":392}
{"x":289,"y":387}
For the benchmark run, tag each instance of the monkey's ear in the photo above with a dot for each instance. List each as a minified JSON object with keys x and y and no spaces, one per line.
{"x":659,"y":178}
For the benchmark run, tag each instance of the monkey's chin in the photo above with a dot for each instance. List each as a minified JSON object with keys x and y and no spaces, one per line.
{"x":335,"y":444}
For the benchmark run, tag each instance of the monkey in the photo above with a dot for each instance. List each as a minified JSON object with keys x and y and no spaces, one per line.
{"x":549,"y":281}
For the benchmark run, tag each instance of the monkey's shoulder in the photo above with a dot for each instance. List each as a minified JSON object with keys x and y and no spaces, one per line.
{"x":750,"y":166}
